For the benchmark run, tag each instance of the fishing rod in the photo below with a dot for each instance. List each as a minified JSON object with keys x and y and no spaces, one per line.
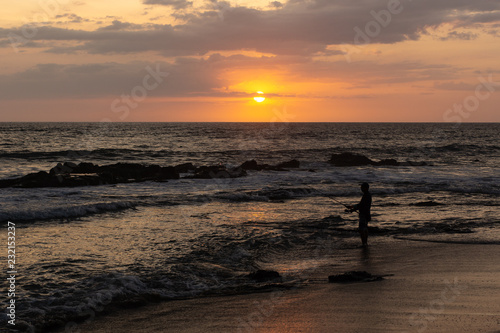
{"x":349,"y":209}
{"x":337,"y":201}
{"x":346,"y":206}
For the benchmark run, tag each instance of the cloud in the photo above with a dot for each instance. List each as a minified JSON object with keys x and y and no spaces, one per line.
{"x":118,"y":25}
{"x":72,"y":18}
{"x":302,"y":28}
{"x":186,"y":77}
{"x":176,"y":4}
{"x":189,"y":76}
{"x":459,"y":86}
{"x":459,"y":35}
{"x":467,"y":19}
{"x":276,"y":4}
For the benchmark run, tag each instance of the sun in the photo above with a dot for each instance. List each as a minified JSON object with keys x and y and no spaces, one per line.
{"x":259,"y":99}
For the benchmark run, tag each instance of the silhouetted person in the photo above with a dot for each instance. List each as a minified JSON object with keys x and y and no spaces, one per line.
{"x":363,"y":209}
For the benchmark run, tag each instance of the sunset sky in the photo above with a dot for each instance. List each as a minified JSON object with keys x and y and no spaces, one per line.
{"x":318,"y":60}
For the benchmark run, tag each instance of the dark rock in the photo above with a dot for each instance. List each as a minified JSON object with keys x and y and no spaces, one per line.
{"x":237,"y":172}
{"x":70,"y":165}
{"x":210,"y":172}
{"x":389,"y":162}
{"x":85,"y":174}
{"x":250,"y":165}
{"x":39,"y":179}
{"x":354,"y":276}
{"x":124,"y":171}
{"x":85,"y":167}
{"x":185,"y":167}
{"x":289,"y":164}
{"x":60,"y":169}
{"x":412,"y":163}
{"x":8,"y":182}
{"x":167,"y":173}
{"x":253,"y":165}
{"x":265,"y":276}
{"x":83,"y":180}
{"x":350,"y":159}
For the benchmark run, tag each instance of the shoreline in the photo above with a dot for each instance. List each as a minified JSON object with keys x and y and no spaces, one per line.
{"x":431,"y":287}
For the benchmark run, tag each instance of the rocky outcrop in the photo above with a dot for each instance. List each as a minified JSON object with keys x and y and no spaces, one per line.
{"x":209,"y":172}
{"x":351,"y":159}
{"x":253,"y":165}
{"x":70,"y":174}
{"x":84,"y":174}
{"x":265,"y":276}
{"x":293,"y":164}
{"x":185,"y":167}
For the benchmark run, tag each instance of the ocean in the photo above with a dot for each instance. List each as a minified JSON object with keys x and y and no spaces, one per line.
{"x":88,"y":249}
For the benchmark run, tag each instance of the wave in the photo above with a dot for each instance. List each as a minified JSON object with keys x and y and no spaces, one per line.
{"x":450,"y":241}
{"x":456,"y":147}
{"x":267,"y":194}
{"x":306,"y":154}
{"x":272,"y":194}
{"x":218,"y":264}
{"x":71,"y":154}
{"x":66,"y":212}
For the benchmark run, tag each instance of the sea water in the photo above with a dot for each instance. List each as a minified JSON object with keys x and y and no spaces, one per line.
{"x":83,"y":250}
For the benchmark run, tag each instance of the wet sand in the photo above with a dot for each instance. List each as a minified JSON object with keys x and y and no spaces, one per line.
{"x":432,"y":287}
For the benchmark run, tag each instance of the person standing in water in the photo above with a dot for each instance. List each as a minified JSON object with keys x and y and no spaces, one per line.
{"x":363,"y":208}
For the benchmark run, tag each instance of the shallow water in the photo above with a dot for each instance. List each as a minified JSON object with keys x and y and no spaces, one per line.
{"x":87,"y":248}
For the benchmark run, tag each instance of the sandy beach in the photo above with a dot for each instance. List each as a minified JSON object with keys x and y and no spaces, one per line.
{"x":430,"y":287}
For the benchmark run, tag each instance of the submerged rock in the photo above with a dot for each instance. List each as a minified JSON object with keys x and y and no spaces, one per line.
{"x":354,"y":276}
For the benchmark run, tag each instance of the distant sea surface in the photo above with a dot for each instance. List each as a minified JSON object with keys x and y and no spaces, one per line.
{"x":80,"y":250}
